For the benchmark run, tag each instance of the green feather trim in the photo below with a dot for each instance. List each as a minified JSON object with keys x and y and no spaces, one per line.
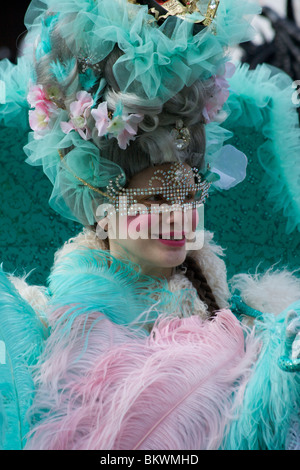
{"x":88,"y":280}
{"x":22,"y":335}
{"x":272,"y":395}
{"x":62,"y":71}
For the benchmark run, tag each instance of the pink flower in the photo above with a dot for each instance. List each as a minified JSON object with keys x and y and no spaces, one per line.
{"x":80,"y":111}
{"x":37,"y":95}
{"x":215,"y":104}
{"x":39,"y":120}
{"x":123,"y":127}
{"x":217,"y":101}
{"x":102,"y":120}
{"x":128,"y":128}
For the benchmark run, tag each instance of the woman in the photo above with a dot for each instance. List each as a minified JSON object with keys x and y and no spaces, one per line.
{"x":143,"y":350}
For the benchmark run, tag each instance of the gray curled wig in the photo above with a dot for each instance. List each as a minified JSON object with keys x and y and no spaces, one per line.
{"x":154,"y":143}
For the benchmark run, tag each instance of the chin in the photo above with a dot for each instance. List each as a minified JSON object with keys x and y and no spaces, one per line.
{"x":172,"y":258}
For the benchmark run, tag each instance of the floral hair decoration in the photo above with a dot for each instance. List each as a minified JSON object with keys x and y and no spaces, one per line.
{"x":45,"y":110}
{"x":123,"y":127}
{"x":82,"y":116}
{"x":86,"y":115}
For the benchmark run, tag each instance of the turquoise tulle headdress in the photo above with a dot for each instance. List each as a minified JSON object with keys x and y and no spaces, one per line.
{"x":160,"y":55}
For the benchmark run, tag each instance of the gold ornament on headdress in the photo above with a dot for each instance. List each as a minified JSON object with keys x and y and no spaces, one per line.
{"x":182,"y":8}
{"x":211,"y":12}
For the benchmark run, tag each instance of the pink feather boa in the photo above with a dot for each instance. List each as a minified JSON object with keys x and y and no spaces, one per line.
{"x":170,"y":390}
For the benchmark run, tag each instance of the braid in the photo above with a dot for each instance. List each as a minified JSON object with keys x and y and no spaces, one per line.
{"x":199,"y":281}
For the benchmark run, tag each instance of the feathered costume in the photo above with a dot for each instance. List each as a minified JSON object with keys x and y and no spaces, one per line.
{"x":106,"y":357}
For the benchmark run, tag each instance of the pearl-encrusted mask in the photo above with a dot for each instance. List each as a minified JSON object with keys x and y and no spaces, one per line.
{"x":177,"y":188}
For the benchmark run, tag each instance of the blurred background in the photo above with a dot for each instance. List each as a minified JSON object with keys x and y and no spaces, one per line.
{"x":30,"y":232}
{"x":11,"y":27}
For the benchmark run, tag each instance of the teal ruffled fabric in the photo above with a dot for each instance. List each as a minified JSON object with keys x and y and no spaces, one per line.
{"x":155,"y":61}
{"x":261,"y":100}
{"x":14,"y":106}
{"x":69,"y":196}
{"x":257,"y":222}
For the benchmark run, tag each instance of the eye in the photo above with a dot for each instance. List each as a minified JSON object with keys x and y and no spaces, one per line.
{"x":155,"y":198}
{"x":190,"y":196}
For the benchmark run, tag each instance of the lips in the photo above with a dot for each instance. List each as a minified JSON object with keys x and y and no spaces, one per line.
{"x":178,"y":236}
{"x":172,"y":239}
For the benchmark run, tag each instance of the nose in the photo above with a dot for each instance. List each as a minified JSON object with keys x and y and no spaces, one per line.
{"x":174,"y":216}
{"x":172,"y":220}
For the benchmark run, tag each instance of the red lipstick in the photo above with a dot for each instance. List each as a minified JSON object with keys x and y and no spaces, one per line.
{"x":172,"y":241}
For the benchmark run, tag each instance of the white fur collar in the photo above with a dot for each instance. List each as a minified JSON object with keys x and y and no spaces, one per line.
{"x":209,"y":259}
{"x":271,"y":292}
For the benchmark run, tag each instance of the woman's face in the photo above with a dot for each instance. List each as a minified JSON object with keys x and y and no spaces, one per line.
{"x":155,"y":241}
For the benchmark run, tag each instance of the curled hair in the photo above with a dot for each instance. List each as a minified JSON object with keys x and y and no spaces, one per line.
{"x":154,"y":143}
